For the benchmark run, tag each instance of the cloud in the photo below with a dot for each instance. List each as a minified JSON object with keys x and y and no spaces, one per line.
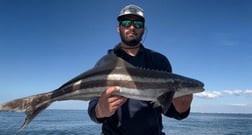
{"x":233,"y":92}
{"x":209,"y":94}
{"x":248,"y":92}
{"x":226,"y":39}
{"x":217,"y":94}
{"x":239,"y":105}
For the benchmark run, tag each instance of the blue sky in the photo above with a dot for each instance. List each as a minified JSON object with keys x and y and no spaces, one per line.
{"x":44,"y":43}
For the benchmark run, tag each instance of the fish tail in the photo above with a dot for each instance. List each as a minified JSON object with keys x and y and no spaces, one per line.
{"x":32,"y":115}
{"x":31,"y":106}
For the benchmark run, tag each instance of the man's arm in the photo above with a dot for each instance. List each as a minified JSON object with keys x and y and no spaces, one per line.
{"x":180,"y":107}
{"x":183,"y":103}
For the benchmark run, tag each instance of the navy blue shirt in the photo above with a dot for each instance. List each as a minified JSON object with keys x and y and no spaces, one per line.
{"x":137,"y":117}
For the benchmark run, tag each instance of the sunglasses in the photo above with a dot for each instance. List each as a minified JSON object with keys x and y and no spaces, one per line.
{"x":128,"y":23}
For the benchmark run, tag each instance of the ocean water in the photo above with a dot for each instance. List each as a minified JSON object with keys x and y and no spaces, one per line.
{"x":77,"y":122}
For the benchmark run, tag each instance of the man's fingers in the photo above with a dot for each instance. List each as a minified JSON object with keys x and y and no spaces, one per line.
{"x":108,"y":92}
{"x":117,"y":101}
{"x":114,"y":98}
{"x":109,"y":103}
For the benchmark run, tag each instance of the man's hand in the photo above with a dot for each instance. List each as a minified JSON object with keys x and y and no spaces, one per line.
{"x":182,"y":104}
{"x":108,"y":104}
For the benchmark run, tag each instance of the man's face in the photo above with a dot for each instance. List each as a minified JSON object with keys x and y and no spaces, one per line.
{"x":131,"y":30}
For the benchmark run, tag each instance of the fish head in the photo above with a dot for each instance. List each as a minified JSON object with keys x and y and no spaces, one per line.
{"x":186,"y":86}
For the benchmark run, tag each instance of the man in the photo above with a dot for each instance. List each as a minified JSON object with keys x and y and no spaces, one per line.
{"x":121,"y":116}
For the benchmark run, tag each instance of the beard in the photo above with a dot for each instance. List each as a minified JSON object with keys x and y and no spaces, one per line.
{"x":131,"y":41}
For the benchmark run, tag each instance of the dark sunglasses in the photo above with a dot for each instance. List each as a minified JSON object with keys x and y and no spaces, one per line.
{"x":128,"y":23}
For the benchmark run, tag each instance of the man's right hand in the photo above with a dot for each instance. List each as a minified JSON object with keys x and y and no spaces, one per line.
{"x":108,"y":103}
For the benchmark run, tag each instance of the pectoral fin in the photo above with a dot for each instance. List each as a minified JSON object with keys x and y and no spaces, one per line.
{"x":165,"y":100}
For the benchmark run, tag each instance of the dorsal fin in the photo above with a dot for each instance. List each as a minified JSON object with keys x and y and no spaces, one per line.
{"x":111,"y":60}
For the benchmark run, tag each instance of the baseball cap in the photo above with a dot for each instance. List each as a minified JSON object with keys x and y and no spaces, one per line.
{"x":131,"y":10}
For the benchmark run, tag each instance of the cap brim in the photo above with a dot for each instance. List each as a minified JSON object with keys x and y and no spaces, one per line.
{"x":122,"y":17}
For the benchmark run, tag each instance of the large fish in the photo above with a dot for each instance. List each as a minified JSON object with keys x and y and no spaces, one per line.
{"x":136,"y":83}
